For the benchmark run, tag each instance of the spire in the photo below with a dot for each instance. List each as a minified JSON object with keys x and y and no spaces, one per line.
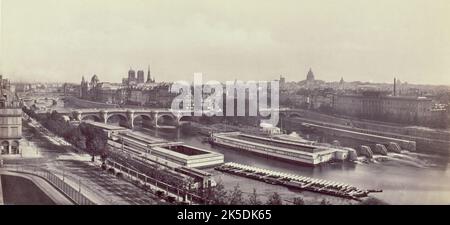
{"x":149,"y":78}
{"x":395,"y":85}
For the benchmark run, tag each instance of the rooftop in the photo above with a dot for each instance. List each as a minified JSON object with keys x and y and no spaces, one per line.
{"x":407,"y":98}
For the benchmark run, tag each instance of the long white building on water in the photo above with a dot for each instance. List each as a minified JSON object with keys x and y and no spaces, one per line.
{"x":173,"y":154}
{"x":304,"y":153}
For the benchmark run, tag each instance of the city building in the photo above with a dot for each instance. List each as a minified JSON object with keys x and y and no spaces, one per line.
{"x":138,"y":92}
{"x":89,"y":90}
{"x":140,"y":77}
{"x":151,"y":95}
{"x":110,"y":93}
{"x":311,"y":82}
{"x":132,"y":80}
{"x":10,"y":120}
{"x":131,"y":76}
{"x":378,"y":105}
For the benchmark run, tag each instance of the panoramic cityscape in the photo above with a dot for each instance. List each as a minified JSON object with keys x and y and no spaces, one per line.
{"x":91,"y":115}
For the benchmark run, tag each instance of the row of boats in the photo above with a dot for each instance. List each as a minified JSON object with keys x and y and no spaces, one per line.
{"x":296,"y":181}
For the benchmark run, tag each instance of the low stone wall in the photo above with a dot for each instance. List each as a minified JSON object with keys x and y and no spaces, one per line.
{"x":427,"y":140}
{"x":73,"y":102}
{"x":422,"y":132}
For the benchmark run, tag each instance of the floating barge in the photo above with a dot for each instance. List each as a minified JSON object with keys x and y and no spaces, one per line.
{"x":288,"y":150}
{"x":173,"y":152}
{"x":296,"y":181}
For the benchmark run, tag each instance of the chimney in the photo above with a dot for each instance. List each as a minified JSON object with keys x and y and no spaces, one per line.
{"x":395,"y":83}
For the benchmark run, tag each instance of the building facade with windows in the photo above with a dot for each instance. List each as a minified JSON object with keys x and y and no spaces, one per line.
{"x":10,"y":120}
{"x":378,"y":105}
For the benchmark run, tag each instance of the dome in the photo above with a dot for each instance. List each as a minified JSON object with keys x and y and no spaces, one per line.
{"x":310,"y":75}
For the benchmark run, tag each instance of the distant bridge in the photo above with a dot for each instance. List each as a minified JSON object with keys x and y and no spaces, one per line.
{"x":39,"y":99}
{"x":32,"y":100}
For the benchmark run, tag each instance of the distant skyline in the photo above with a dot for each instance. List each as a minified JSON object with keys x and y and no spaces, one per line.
{"x":366,"y":40}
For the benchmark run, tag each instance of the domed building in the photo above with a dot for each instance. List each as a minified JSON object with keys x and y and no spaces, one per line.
{"x":10,"y":120}
{"x":311,"y":82}
{"x":310,"y":76}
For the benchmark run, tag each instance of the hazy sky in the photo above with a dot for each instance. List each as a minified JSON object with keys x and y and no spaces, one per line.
{"x":61,"y":40}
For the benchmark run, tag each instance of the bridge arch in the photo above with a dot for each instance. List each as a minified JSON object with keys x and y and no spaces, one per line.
{"x":120,"y":119}
{"x":146,"y":119}
{"x":93,"y":117}
{"x":143,"y":116}
{"x":122,"y":116}
{"x":186,"y":119}
{"x":164,"y":118}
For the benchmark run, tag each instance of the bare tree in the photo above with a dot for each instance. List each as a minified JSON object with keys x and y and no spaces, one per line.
{"x":253,"y":198}
{"x":274,"y":199}
{"x":298,"y":201}
{"x":236,"y":196}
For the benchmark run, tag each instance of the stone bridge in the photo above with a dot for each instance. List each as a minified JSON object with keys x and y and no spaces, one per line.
{"x":31,"y":100}
{"x":129,"y":115}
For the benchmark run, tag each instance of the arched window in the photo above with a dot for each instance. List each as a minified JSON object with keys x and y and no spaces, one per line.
{"x":4,"y":147}
{"x":15,"y":147}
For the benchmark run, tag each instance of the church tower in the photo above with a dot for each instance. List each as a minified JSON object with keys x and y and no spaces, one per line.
{"x":342,"y":83}
{"x":83,"y":88}
{"x":149,"y":77}
{"x":310,"y":75}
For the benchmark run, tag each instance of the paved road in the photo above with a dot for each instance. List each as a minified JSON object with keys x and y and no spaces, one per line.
{"x":105,"y":188}
{"x":112,"y":189}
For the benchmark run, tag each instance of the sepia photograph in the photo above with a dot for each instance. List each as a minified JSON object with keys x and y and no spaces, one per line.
{"x":224,"y":103}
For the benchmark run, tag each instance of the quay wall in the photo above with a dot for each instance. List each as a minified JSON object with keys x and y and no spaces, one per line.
{"x":404,"y":144}
{"x":427,"y":140}
{"x":74,"y":102}
{"x":377,"y":125}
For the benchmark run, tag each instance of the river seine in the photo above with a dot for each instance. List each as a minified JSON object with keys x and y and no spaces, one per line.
{"x":406,"y":178}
